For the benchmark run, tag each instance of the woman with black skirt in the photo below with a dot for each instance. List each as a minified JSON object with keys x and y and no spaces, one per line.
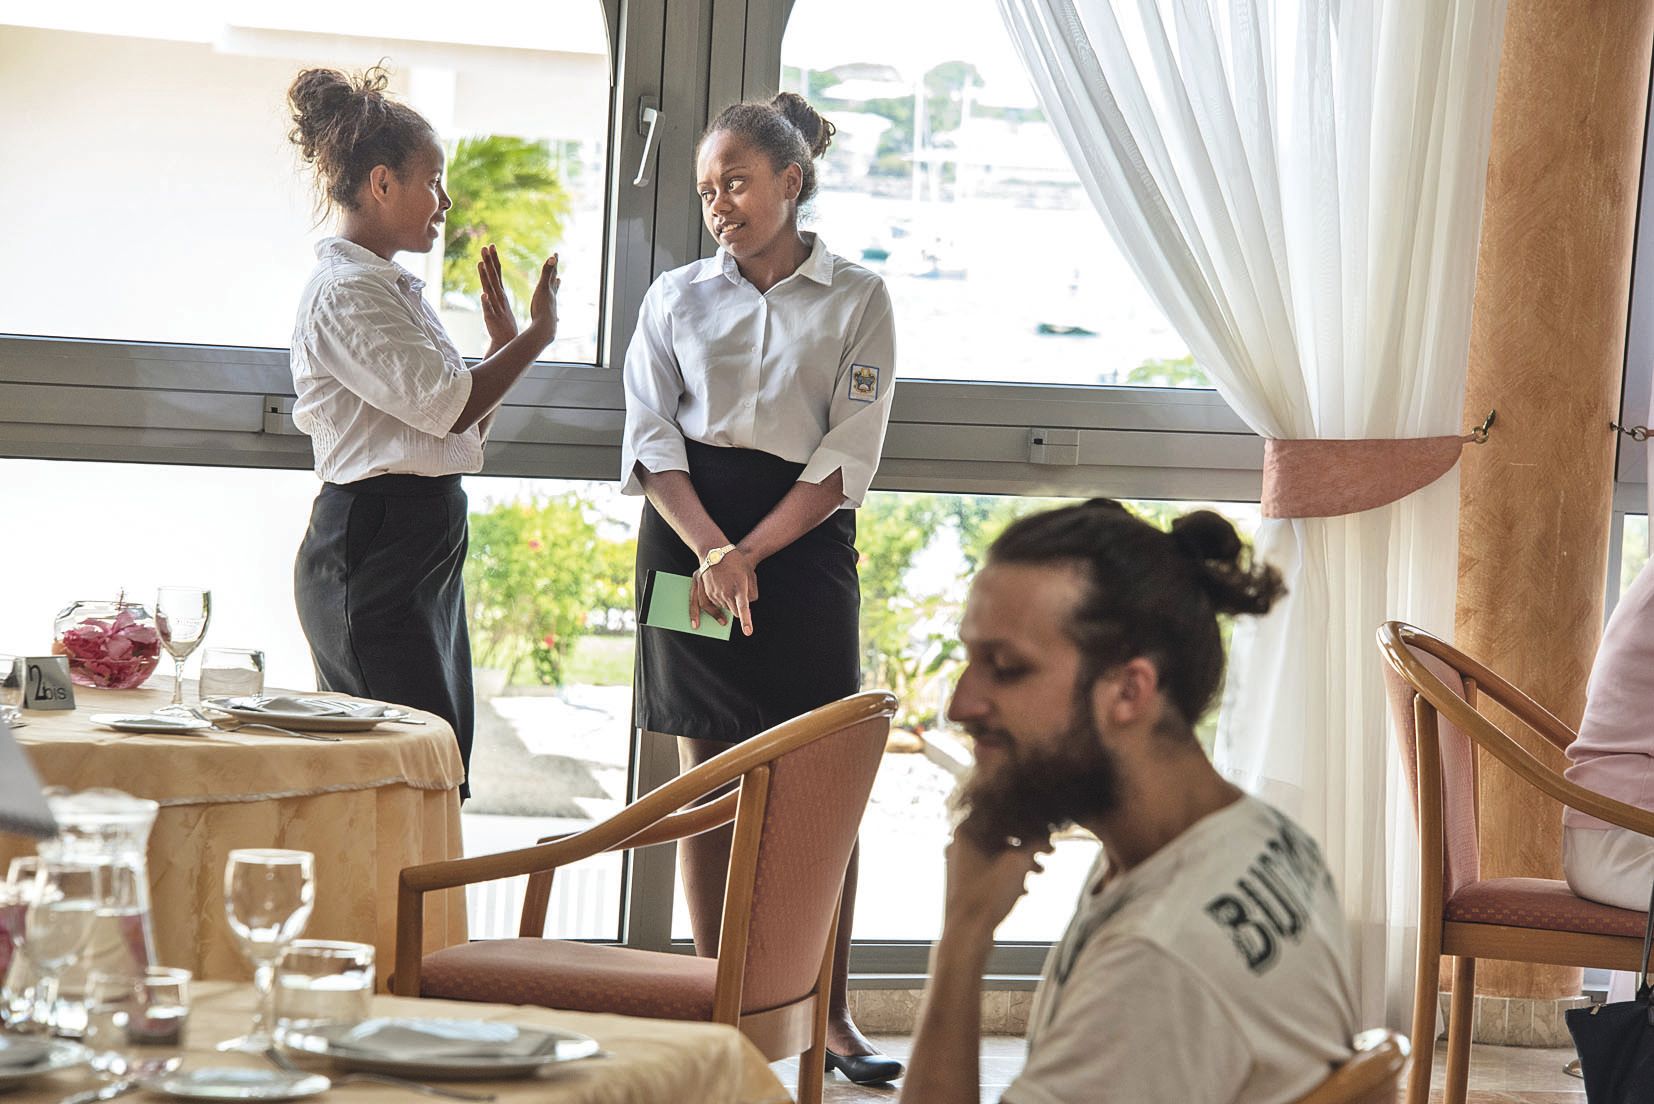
{"x":393,"y":413}
{"x":758,"y":388}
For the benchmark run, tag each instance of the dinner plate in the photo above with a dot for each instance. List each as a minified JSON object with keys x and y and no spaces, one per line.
{"x":238,"y":1084}
{"x":150,"y":722}
{"x":60,"y":1055}
{"x":435,"y":1048}
{"x":247,"y":709}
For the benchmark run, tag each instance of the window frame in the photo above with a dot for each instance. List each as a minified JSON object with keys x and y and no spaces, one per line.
{"x":219,"y":405}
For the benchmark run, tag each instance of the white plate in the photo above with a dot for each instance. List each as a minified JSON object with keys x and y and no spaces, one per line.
{"x":238,"y":1084}
{"x":150,"y":722}
{"x":303,"y":722}
{"x":62,"y":1056}
{"x":547,"y":1047}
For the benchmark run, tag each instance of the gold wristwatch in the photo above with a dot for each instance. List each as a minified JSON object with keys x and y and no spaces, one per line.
{"x":716,"y":556}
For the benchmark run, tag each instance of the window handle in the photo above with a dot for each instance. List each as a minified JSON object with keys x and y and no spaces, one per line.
{"x":648,"y":120}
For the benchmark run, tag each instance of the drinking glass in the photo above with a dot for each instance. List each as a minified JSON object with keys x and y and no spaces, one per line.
{"x":16,"y":975}
{"x":123,"y":1011}
{"x":230,"y":672}
{"x":322,"y":981}
{"x":268,"y":895}
{"x":11,"y":681}
{"x":58,"y":921}
{"x":181,"y":617}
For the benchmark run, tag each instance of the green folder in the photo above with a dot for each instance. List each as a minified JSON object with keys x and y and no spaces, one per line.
{"x":666,"y":606}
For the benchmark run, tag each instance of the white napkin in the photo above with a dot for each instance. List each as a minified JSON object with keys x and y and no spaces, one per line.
{"x":310,"y":707}
{"x":436,"y":1040}
{"x":16,"y":1053}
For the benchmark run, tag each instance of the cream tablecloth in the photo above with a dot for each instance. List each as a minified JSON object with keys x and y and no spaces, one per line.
{"x":649,"y":1062}
{"x":367,"y":806}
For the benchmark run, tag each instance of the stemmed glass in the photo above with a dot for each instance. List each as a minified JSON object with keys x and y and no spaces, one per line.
{"x":58,"y":920}
{"x":181,"y":617}
{"x":268,"y":895}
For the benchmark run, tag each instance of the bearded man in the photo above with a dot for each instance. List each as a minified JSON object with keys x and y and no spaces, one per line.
{"x":1206,"y":959}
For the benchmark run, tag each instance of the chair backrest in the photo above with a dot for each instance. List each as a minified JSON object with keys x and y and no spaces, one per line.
{"x":1367,"y":1077}
{"x":816,"y":796}
{"x":1461,"y":863}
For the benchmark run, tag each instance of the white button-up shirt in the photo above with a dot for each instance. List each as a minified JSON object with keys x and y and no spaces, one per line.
{"x":379,"y":382}
{"x":804,"y":372}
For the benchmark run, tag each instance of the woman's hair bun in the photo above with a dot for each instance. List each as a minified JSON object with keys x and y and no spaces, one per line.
{"x":818,"y":132}
{"x":1232,"y":582}
{"x":344,"y":125}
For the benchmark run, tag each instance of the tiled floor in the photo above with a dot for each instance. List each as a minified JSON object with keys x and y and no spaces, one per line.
{"x":1498,"y":1075}
{"x":1514,"y":1075}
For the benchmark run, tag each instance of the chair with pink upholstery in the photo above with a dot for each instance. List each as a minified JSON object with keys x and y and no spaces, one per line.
{"x":1434,"y":690}
{"x":802,"y":787}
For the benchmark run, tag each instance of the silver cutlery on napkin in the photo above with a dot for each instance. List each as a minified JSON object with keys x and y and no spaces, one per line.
{"x":237,"y":725}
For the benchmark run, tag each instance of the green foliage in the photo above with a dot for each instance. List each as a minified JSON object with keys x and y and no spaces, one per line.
{"x":1178,"y":372}
{"x":538,"y":577}
{"x":508,"y":193}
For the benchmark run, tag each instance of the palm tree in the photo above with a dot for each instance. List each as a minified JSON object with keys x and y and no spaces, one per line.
{"x":506,"y":192}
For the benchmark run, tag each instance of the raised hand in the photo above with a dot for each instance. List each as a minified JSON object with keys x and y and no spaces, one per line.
{"x":496,"y":308}
{"x":542,"y":305}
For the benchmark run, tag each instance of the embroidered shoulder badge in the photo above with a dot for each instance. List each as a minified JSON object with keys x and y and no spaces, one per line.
{"x":864,"y":382}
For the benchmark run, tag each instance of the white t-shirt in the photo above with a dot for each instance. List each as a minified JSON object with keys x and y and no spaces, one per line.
{"x":804,"y":371}
{"x":379,"y":383}
{"x":1215,"y":972}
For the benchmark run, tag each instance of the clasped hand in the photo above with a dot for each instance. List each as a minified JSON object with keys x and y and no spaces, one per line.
{"x":496,"y":307}
{"x":983,"y":885}
{"x":730,"y":584}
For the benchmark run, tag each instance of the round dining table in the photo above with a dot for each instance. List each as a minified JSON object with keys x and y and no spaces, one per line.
{"x":366,"y":804}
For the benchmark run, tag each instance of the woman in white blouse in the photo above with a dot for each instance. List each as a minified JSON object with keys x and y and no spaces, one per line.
{"x":758,"y":387}
{"x":393,"y":413}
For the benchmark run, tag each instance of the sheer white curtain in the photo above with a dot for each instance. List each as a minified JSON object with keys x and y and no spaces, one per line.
{"x":1299,"y":186}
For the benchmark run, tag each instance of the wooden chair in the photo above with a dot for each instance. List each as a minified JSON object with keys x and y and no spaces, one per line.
{"x":802,"y":788}
{"x":1369,"y":1076}
{"x":1433,"y":690}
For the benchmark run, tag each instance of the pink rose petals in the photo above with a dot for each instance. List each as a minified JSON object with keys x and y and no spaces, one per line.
{"x":117,"y":653}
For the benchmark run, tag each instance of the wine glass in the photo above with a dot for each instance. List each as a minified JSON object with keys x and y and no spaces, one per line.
{"x":58,"y":920}
{"x":268,"y":895}
{"x":181,"y":617}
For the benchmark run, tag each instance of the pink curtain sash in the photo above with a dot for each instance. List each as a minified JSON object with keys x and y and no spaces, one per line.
{"x":1330,"y":478}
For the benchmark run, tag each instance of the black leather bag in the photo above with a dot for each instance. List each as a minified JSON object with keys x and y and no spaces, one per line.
{"x":1616,"y":1042}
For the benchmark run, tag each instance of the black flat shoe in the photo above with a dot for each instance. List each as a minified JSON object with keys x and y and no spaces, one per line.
{"x":865,"y":1069}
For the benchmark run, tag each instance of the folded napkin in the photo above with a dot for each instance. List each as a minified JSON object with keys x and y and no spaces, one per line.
{"x":310,"y":707}
{"x":17,"y":1053}
{"x":23,"y":808}
{"x":437,"y":1040}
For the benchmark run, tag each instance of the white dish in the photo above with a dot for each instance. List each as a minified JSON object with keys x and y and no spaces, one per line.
{"x":247,"y":709}
{"x":61,"y":1056}
{"x":437,"y":1048}
{"x":150,"y":722}
{"x":238,"y":1084}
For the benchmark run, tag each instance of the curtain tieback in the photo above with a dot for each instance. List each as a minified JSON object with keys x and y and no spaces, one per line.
{"x":1330,"y":478}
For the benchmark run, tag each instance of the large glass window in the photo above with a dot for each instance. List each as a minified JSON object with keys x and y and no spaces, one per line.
{"x":152,"y":195}
{"x":549,"y":596}
{"x":946,"y":178}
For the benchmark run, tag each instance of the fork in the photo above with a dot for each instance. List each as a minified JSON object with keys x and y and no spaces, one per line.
{"x":216,"y":727}
{"x":281,"y":1061}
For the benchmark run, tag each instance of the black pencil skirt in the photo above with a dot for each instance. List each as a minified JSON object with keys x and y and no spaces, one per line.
{"x":804,"y":651}
{"x":381,"y":595}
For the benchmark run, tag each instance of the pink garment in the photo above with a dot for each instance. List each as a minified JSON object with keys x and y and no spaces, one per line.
{"x":1614,"y":754}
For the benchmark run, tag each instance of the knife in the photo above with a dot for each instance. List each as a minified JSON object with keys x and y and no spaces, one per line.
{"x":107,"y":1092}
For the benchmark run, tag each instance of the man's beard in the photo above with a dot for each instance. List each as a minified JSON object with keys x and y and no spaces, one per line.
{"x":1038,"y":791}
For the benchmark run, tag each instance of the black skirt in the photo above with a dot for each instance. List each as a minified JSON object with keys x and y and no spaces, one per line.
{"x":381,"y":594}
{"x":804,"y":650}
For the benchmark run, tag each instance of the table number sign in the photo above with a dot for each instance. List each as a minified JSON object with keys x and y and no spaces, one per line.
{"x":46,"y":683}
